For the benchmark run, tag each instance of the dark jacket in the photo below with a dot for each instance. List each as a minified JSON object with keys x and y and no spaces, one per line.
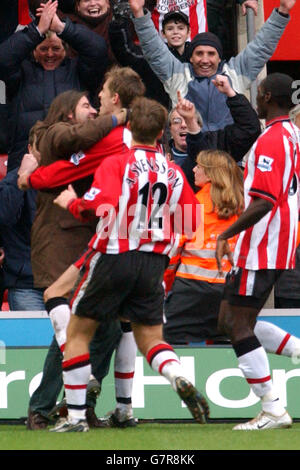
{"x":31,"y":89}
{"x":236,"y":138}
{"x":17,"y":210}
{"x":130,"y":54}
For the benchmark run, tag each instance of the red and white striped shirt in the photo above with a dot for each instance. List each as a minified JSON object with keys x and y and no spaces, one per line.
{"x":272,"y":173}
{"x":144,"y":203}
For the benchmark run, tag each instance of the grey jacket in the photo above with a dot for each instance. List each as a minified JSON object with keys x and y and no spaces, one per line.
{"x":241,"y":70}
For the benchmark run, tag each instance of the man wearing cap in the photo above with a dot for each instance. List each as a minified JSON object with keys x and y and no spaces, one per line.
{"x":194,"y":79}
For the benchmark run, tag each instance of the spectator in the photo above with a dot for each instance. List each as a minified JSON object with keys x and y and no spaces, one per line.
{"x":17,"y":210}
{"x":192,"y":307}
{"x":236,"y":138}
{"x":194,"y":80}
{"x":95,"y":15}
{"x":36,"y":69}
{"x":175,"y":30}
{"x":177,"y":146}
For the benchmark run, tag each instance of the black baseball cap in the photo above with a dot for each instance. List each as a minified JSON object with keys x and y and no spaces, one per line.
{"x":175,"y":15}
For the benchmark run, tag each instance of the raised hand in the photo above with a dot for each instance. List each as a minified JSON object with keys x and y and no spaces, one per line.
{"x":45,"y":13}
{"x":57,"y":26}
{"x":185,"y":108}
{"x":286,"y":6}
{"x":137,"y":7}
{"x":222,"y":83}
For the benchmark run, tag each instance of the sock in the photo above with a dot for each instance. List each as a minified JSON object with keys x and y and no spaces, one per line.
{"x":59,"y":312}
{"x":163,"y":359}
{"x":76,"y":374}
{"x":125,"y":357}
{"x":254,"y":364}
{"x":275,"y":340}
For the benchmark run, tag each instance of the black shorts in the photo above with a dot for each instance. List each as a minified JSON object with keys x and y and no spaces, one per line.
{"x":249,"y":288}
{"x":128,"y":285}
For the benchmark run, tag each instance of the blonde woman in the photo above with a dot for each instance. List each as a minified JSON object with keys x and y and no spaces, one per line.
{"x":192,"y":307}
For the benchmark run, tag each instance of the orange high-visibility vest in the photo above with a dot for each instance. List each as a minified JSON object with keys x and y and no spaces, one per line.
{"x":197,"y":258}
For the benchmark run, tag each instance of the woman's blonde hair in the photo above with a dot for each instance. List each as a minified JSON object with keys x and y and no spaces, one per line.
{"x":226,"y":182}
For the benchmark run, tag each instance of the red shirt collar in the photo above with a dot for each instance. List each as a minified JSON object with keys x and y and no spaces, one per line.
{"x":277,"y":119}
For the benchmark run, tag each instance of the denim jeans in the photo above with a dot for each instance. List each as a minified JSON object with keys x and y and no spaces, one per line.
{"x":25,"y":299}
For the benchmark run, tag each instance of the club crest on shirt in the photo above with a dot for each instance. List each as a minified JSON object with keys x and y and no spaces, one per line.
{"x":91,"y":194}
{"x":265,"y":163}
{"x":76,"y":157}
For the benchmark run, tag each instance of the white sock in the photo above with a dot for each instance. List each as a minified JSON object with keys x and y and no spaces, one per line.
{"x":275,"y":340}
{"x":272,"y":404}
{"x":254,"y":364}
{"x":76,"y":374}
{"x":59,"y":312}
{"x":163,"y":359}
{"x":124,"y":365}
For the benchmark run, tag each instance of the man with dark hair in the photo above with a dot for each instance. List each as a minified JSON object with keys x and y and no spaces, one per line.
{"x":266,"y":244}
{"x":143,"y":195}
{"x":194,"y":79}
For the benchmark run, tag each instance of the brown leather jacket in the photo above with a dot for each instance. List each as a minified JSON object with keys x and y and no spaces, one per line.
{"x":57,"y":238}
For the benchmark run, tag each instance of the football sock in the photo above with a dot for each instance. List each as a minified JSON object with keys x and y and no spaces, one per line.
{"x":124,"y":365}
{"x":59,"y":312}
{"x":76,"y":374}
{"x":163,"y":359}
{"x":275,"y":340}
{"x":254,"y":364}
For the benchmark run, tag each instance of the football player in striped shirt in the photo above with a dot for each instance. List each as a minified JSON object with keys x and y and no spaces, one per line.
{"x":266,"y":244}
{"x":143,"y":202}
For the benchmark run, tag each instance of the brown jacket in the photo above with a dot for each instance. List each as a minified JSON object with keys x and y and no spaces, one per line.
{"x":57,"y":238}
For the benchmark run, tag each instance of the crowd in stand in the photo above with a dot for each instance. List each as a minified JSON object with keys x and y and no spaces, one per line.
{"x":72,"y":56}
